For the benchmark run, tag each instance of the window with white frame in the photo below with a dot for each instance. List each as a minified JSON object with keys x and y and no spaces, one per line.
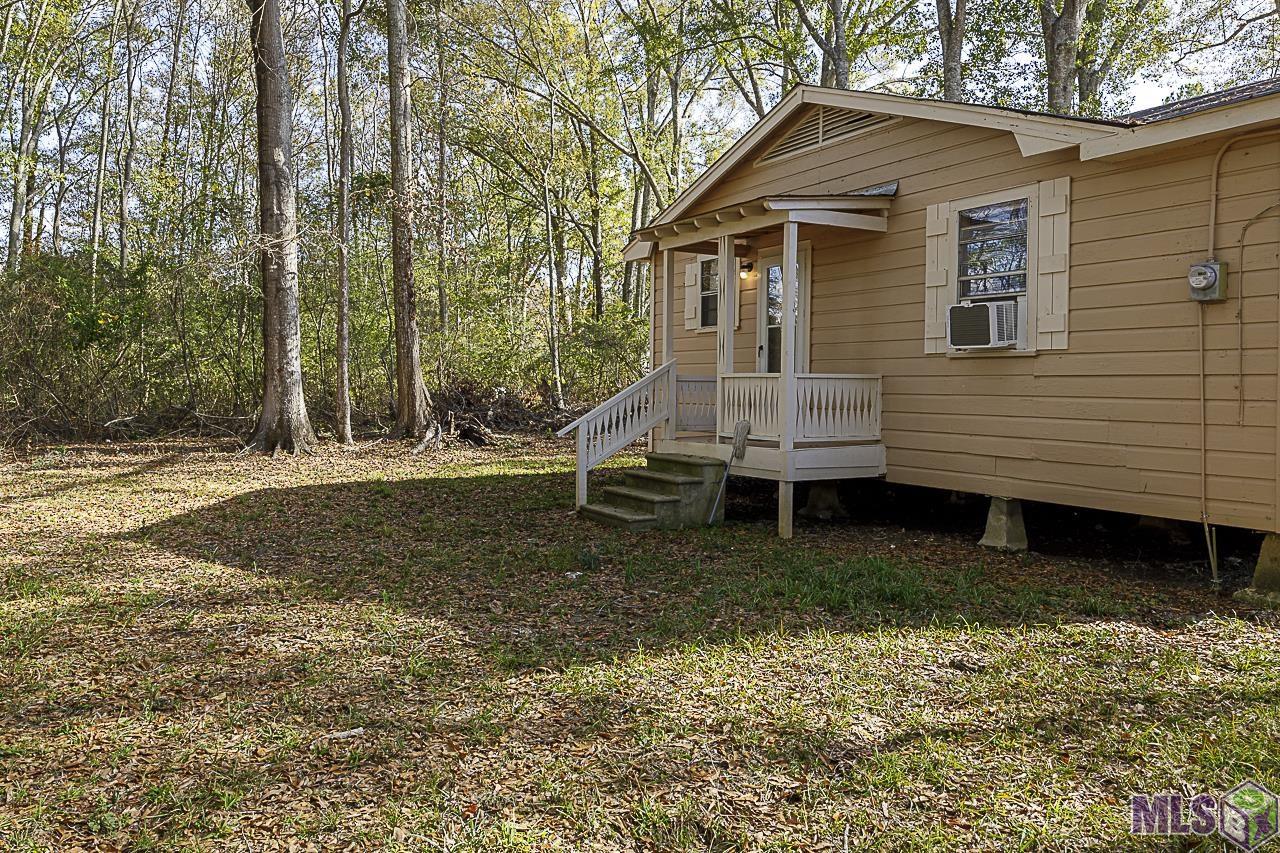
{"x":992,"y":251}
{"x":709,"y":291}
{"x":1011,"y":245}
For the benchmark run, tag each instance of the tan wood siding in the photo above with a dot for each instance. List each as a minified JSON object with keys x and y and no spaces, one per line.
{"x":1113,"y":420}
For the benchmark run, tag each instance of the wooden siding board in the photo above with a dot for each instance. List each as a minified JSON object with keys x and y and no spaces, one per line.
{"x":1113,"y":420}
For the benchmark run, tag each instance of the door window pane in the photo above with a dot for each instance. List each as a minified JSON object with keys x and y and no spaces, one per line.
{"x":772,"y":340}
{"x":774,"y":282}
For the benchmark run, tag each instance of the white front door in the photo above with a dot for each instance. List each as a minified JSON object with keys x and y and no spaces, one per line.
{"x":769,"y":313}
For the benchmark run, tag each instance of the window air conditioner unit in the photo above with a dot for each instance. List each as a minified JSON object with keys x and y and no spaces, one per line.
{"x":985,"y":325}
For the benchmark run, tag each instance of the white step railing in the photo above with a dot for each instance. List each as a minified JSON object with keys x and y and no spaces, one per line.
{"x":829,"y":406}
{"x":621,"y":420}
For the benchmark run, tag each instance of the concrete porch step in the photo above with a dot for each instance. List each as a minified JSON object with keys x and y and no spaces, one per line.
{"x":616,"y":516}
{"x":675,"y":491}
{"x":705,"y":468}
{"x":661,"y":482}
{"x":639,"y":500}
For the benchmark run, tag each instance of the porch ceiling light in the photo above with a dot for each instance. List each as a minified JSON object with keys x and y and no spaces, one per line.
{"x":745,"y":270}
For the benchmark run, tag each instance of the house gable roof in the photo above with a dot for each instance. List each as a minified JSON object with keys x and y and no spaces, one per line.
{"x":1035,"y":132}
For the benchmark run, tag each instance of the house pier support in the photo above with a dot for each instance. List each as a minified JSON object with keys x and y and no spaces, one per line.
{"x":1266,"y":575}
{"x":823,"y":503}
{"x":786,"y":514}
{"x":1005,"y":528}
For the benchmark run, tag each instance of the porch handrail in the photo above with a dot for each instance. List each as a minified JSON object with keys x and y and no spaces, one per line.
{"x":622,"y":419}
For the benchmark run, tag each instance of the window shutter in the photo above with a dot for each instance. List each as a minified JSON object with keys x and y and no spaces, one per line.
{"x":692,"y":302}
{"x":1053,"y":263}
{"x":937,"y":291}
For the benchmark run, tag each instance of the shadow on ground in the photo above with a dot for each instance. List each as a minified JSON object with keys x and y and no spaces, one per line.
{"x":458,"y":656}
{"x":505,"y":559}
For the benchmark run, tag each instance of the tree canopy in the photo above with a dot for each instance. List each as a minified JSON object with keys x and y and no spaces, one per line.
{"x":543,"y":132}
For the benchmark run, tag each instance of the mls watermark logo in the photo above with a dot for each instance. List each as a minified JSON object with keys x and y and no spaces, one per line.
{"x":1248,"y":815}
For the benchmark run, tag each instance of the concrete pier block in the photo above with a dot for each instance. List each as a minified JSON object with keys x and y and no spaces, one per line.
{"x":824,"y":502}
{"x":1005,"y":528}
{"x":1266,"y":575}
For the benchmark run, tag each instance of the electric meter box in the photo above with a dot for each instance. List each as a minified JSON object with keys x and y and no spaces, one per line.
{"x":1208,"y":281}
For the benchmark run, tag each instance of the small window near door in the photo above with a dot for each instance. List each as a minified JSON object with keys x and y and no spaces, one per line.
{"x":709,"y":290}
{"x":773,"y":320}
{"x":993,"y":250}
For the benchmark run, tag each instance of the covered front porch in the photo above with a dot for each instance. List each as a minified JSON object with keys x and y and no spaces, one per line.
{"x":800,"y":425}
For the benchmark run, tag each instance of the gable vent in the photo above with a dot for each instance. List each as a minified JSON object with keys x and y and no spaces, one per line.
{"x":821,"y":126}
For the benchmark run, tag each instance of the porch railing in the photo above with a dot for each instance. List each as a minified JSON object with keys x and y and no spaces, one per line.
{"x":695,"y":404}
{"x":829,"y":406}
{"x":621,"y":420}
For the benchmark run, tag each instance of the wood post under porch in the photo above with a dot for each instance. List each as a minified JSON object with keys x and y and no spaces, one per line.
{"x":803,"y":426}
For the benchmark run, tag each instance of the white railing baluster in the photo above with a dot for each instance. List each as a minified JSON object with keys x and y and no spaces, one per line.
{"x":622,"y":419}
{"x":834,"y":407}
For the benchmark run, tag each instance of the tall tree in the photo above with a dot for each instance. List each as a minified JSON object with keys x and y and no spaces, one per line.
{"x":951,"y":29}
{"x":1061,"y":22}
{"x":342,"y":379}
{"x":413,"y":404}
{"x":283,"y":423}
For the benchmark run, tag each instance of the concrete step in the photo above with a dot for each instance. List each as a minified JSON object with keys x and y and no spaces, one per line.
{"x":616,"y":516}
{"x":641,"y":500}
{"x":705,"y":468}
{"x":663,"y":483}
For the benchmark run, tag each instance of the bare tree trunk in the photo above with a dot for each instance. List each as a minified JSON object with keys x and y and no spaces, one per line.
{"x":951,"y":28}
{"x":442,"y":160}
{"x":833,"y":43}
{"x":104,"y":127}
{"x":597,"y":229}
{"x":342,"y":390}
{"x":174,"y":57}
{"x":283,"y":424}
{"x":60,"y":191}
{"x":1061,"y":45}
{"x":28,"y":137}
{"x":839,"y":44}
{"x":130,"y":139}
{"x":413,"y":405}
{"x":553,"y":286}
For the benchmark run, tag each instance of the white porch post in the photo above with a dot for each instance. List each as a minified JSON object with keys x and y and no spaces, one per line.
{"x":787,"y":372}
{"x":725,"y":321}
{"x":668,"y":336}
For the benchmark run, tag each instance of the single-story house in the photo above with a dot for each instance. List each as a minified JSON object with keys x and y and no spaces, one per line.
{"x":987,"y":300}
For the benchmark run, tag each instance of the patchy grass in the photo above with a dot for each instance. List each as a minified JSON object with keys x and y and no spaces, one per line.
{"x":205,"y":651}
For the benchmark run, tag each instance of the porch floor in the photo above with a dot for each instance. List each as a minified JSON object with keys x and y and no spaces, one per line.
{"x":828,"y":460}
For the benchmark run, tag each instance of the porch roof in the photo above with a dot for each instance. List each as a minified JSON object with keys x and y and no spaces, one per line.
{"x":865,"y":209}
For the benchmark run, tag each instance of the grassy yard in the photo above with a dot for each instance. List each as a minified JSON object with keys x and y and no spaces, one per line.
{"x":200,"y":650}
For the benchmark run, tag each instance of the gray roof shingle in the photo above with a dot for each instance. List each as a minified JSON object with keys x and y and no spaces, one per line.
{"x":1208,"y":101}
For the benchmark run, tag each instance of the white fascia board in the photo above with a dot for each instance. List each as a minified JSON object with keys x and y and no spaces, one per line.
{"x":1242,"y":117}
{"x":638,"y":250}
{"x":1030,"y":146}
